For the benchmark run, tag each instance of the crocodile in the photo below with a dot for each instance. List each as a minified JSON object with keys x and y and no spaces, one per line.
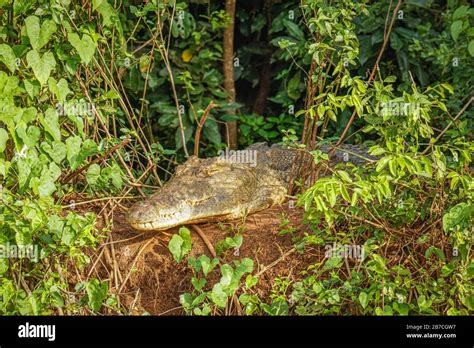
{"x":231,"y":185}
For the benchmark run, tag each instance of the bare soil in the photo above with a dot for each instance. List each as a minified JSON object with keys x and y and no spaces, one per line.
{"x":155,"y":281}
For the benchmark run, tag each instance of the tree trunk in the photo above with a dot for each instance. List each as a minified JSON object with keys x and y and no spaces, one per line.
{"x":266,"y":70}
{"x":229,"y":83}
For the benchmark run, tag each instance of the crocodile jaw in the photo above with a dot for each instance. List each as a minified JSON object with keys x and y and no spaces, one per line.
{"x":146,"y":217}
{"x":160,"y":224}
{"x":161,"y":221}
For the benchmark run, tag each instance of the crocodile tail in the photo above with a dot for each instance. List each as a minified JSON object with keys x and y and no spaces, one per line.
{"x":344,"y":153}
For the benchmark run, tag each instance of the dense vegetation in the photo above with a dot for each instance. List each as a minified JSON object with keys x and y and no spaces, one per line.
{"x":102,"y":99}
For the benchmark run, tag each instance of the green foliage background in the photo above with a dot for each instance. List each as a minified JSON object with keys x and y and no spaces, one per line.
{"x":88,"y":107}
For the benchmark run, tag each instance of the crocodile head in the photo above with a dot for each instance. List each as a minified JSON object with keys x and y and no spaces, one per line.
{"x":200,"y":190}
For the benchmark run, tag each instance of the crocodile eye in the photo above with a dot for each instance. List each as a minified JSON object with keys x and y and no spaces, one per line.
{"x":198,"y":201}
{"x":210,"y":171}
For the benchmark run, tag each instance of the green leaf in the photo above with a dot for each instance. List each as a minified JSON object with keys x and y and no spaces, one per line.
{"x":401,"y":308}
{"x":258,"y":23}
{"x":278,"y":307}
{"x":23,"y":236}
{"x":24,"y":171}
{"x":354,"y":200}
{"x":29,"y":115}
{"x":50,"y":122}
{"x":332,"y":115}
{"x":89,"y":148}
{"x":46,"y":188}
{"x":108,"y":13}
{"x":470,"y":270}
{"x":4,"y":265}
{"x":57,"y":150}
{"x":7,"y":57}
{"x":460,"y":12}
{"x":39,"y":36}
{"x":211,"y":131}
{"x":332,"y":263}
{"x":198,"y":283}
{"x":293,"y":86}
{"x":168,"y":119}
{"x":42,"y":66}
{"x":458,"y":217}
{"x":345,"y":193}
{"x":188,"y":132}
{"x":470,"y":48}
{"x":55,"y":225}
{"x":456,"y":29}
{"x":218,"y":296}
{"x":116,"y":176}
{"x":3,"y":139}
{"x":422,"y":301}
{"x":96,"y":293}
{"x":376,"y":150}
{"x":250,"y":281}
{"x":363,"y":299}
{"x":21,"y":6}
{"x":73,"y":148}
{"x":8,"y":89}
{"x":195,"y":264}
{"x":344,"y":175}
{"x":85,"y":46}
{"x":294,"y":30}
{"x":234,"y":242}
{"x":93,"y":174}
{"x":396,"y":42}
{"x":59,"y":89}
{"x":54,"y":171}
{"x":448,"y":87}
{"x":206,"y":264}
{"x":227,"y":275}
{"x":361,"y":87}
{"x":186,"y":235}
{"x":180,"y":244}
{"x":321,"y":110}
{"x":246,"y":266}
{"x":382,"y":163}
{"x":432,"y":249}
{"x":186,"y":300}
{"x":468,"y":301}
{"x":56,"y":298}
{"x":32,"y":88}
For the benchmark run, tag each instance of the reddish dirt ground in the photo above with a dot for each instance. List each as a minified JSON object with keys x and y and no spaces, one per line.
{"x":155,"y":280}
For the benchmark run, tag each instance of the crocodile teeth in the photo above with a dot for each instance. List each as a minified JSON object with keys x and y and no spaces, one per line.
{"x":165,"y":220}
